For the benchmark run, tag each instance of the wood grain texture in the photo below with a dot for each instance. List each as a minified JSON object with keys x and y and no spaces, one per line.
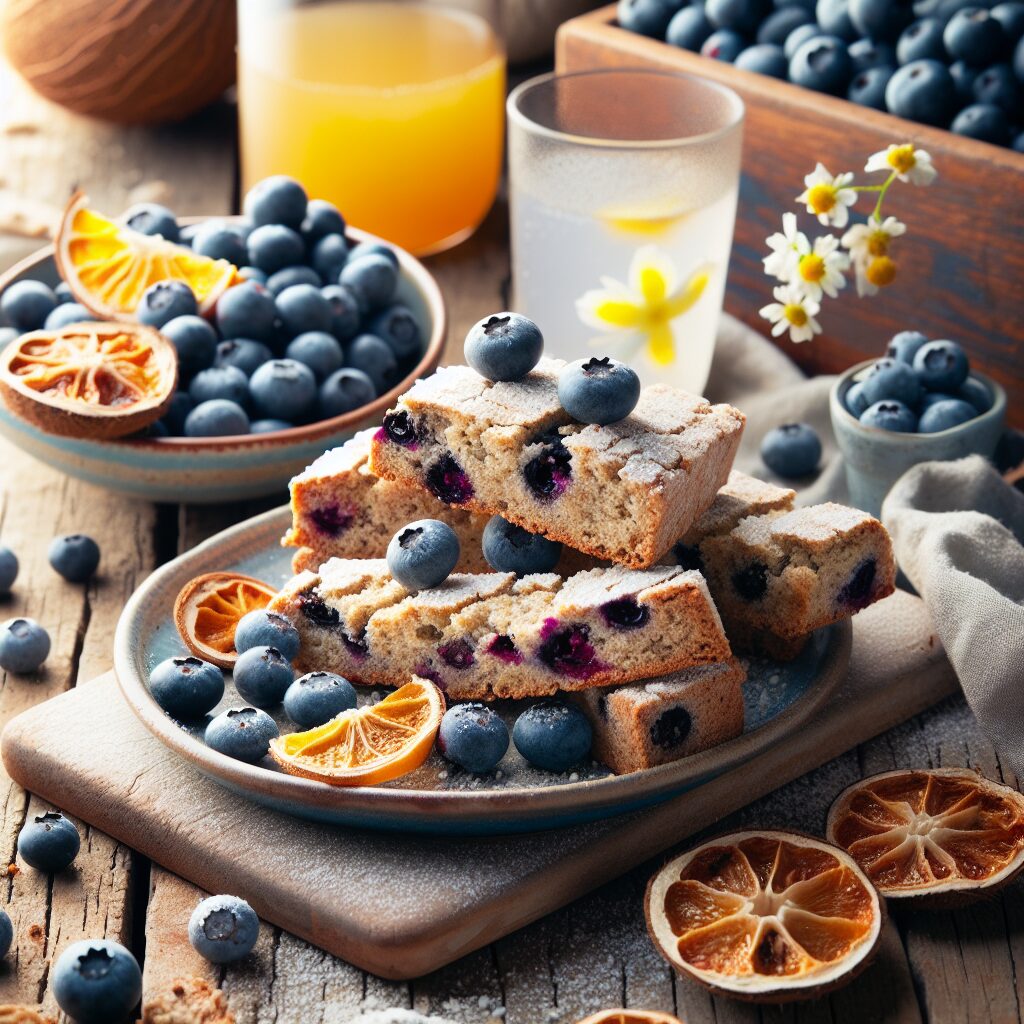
{"x":961,"y":265}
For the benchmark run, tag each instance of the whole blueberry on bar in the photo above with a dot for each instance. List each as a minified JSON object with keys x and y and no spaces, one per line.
{"x":724,"y":44}
{"x":423,"y":554}
{"x":318,"y":350}
{"x":223,"y":929}
{"x":648,"y":17}
{"x":764,"y":59}
{"x":284,"y":389}
{"x":889,"y":378}
{"x":689,"y":28}
{"x":504,"y":346}
{"x":924,"y":91}
{"x":24,"y":645}
{"x":8,"y":569}
{"x":973,"y":35}
{"x":317,"y":697}
{"x":823,"y":64}
{"x":329,"y":255}
{"x":242,"y":733}
{"x":973,"y":391}
{"x":247,"y":311}
{"x":598,"y":390}
{"x":904,"y":346}
{"x":152,"y":219}
{"x":195,"y":341}
{"x":472,"y":736}
{"x":218,"y":417}
{"x":272,"y":247}
{"x":398,"y":327}
{"x":941,"y":365}
{"x":855,"y":400}
{"x":510,"y":548}
{"x":375,"y":358}
{"x":49,"y":842}
{"x":552,"y":735}
{"x":217,"y":241}
{"x":276,"y":200}
{"x":881,"y":19}
{"x":164,"y":301}
{"x":186,"y":687}
{"x":345,"y":315}
{"x":290,"y":276}
{"x":374,"y":275}
{"x":868,"y":87}
{"x":223,"y":382}
{"x":344,"y":391}
{"x":75,"y":556}
{"x":792,"y":450}
{"x":322,"y":219}
{"x":742,"y":15}
{"x":261,"y":628}
{"x":27,"y":304}
{"x":262,"y":674}
{"x":97,"y":981}
{"x":243,"y":354}
{"x":302,"y":308}
{"x":983,"y":121}
{"x":945,"y":415}
{"x":890,"y":415}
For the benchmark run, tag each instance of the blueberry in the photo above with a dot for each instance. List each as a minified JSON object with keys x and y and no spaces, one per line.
{"x":834,"y":18}
{"x":262,"y":673}
{"x":984,"y":121}
{"x":187,"y":233}
{"x":242,"y":733}
{"x":6,"y":933}
{"x":252,"y":274}
{"x":552,"y":735}
{"x":800,"y":35}
{"x":186,"y":687}
{"x":941,"y":365}
{"x":260,"y":628}
{"x":998,"y":85}
{"x":8,"y":569}
{"x":218,"y":241}
{"x":549,"y":473}
{"x":777,"y":27}
{"x":217,"y":417}
{"x":195,"y":341}
{"x":322,"y":219}
{"x":284,"y":389}
{"x":723,"y":44}
{"x":24,"y":645}
{"x":27,"y":304}
{"x":374,"y":249}
{"x":9,"y":334}
{"x":1011,"y":20}
{"x":881,"y":19}
{"x":345,"y":313}
{"x":374,"y":275}
{"x":743,"y":16}
{"x":972,"y":390}
{"x":64,"y":314}
{"x":177,"y":411}
{"x":269,"y":426}
{"x":822,"y":63}
{"x":289,"y":276}
{"x":1018,"y":60}
{"x":892,"y":379}
{"x":318,"y":350}
{"x":220,"y":382}
{"x":510,"y":548}
{"x":973,"y":35}
{"x":317,"y":697}
{"x":398,"y":327}
{"x":868,"y":87}
{"x":765,"y":59}
{"x":344,"y":391}
{"x":152,"y":219}
{"x":223,"y":929}
{"x":792,"y":450}
{"x":423,"y":554}
{"x":272,"y":247}
{"x":329,"y":256}
{"x":247,"y":311}
{"x":165,"y":300}
{"x":504,"y":346}
{"x":598,"y":390}
{"x":243,"y":354}
{"x":689,"y":28}
{"x":924,"y":91}
{"x":889,"y":415}
{"x":855,"y":400}
{"x":49,"y":842}
{"x":903,"y":346}
{"x":276,"y":200}
{"x":648,"y":17}
{"x":303,"y":308}
{"x":96,"y":981}
{"x":945,"y":415}
{"x":963,"y":78}
{"x":932,"y":397}
{"x":867,"y":54}
{"x":375,"y":358}
{"x":922,"y":40}
{"x":75,"y":556}
{"x":1017,"y":144}
{"x":63,"y":292}
{"x":473,"y":736}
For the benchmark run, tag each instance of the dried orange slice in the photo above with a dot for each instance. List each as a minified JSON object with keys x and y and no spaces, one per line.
{"x":944,"y":834}
{"x":370,"y":744}
{"x":108,"y":266}
{"x":208,"y":608}
{"x":97,"y":380}
{"x":765,"y":916}
{"x":631,"y":1017}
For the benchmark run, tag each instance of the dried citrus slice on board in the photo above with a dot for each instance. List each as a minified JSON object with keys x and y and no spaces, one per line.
{"x":108,"y":266}
{"x":631,"y":1017}
{"x":945,"y":834}
{"x":367,"y":745}
{"x":97,"y":380}
{"x":207,"y":611}
{"x":765,"y":916}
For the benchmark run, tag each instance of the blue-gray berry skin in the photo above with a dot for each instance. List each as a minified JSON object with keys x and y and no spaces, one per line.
{"x":223,"y":929}
{"x":972,"y":390}
{"x":945,"y":415}
{"x":262,"y":628}
{"x":553,"y":735}
{"x":318,"y":350}
{"x":867,"y":54}
{"x":242,"y":733}
{"x":689,"y":28}
{"x":398,"y":327}
{"x":218,"y":417}
{"x":165,"y":300}
{"x":973,"y":35}
{"x":329,"y":255}
{"x":924,"y":91}
{"x":7,"y":335}
{"x":834,"y":17}
{"x":290,"y":276}
{"x":822,"y":63}
{"x":345,"y":391}
{"x":243,"y":354}
{"x":152,"y":219}
{"x":219,"y":241}
{"x":510,"y":548}
{"x":941,"y":365}
{"x":504,"y":346}
{"x":49,"y":842}
{"x":284,"y":389}
{"x":892,"y":379}
{"x":868,"y":87}
{"x":792,"y":450}
{"x":75,"y":556}
{"x":24,"y":645}
{"x":186,"y":687}
{"x":764,"y":59}
{"x":423,"y":554}
{"x":27,"y":304}
{"x":195,"y":341}
{"x":96,"y":981}
{"x":374,"y":275}
{"x":799,"y":36}
{"x":598,"y":390}
{"x":67,"y":313}
{"x":6,"y":933}
{"x":276,"y":200}
{"x":779,"y":25}
{"x":317,"y":697}
{"x":890,"y":415}
{"x":303,"y":308}
{"x":345,"y":314}
{"x":269,"y":426}
{"x":904,"y":346}
{"x":322,"y":219}
{"x":262,"y":674}
{"x":472,"y":736}
{"x":375,"y":358}
{"x":8,"y":569}
{"x":272,"y":247}
{"x":223,"y":382}
{"x":247,"y":311}
{"x":855,"y":400}
{"x":174,"y":418}
{"x":648,"y":17}
{"x":374,"y":249}
{"x":922,"y":40}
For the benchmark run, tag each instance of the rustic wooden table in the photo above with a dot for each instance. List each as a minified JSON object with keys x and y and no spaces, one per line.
{"x":940,"y":966}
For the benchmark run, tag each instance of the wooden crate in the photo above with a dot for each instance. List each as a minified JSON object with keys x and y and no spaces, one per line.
{"x":961,"y":264}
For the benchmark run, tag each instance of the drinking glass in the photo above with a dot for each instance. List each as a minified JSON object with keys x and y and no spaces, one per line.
{"x":392,"y":111}
{"x":623,"y":189}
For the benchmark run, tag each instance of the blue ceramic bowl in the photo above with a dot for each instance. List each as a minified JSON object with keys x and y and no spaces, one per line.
{"x":215,"y":469}
{"x":875,"y":459}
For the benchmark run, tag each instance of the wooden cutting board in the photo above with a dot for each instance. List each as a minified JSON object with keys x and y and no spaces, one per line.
{"x":404,"y":906}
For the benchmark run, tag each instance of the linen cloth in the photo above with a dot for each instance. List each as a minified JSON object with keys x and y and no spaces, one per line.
{"x":957,"y":528}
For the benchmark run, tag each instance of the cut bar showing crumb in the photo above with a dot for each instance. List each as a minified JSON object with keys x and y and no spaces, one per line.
{"x":650,"y":723}
{"x":623,"y":492}
{"x":487,"y":635}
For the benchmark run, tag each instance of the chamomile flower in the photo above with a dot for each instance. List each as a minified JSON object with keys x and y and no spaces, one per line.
{"x":787,"y":246}
{"x":868,"y":243}
{"x":910,"y":164}
{"x":794,"y":312}
{"x":821,"y":269}
{"x":828,"y":198}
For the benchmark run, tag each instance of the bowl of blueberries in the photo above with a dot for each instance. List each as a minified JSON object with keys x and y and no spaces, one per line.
{"x":328,"y":327}
{"x":920,"y":403}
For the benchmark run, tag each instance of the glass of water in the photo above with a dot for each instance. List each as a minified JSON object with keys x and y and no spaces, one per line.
{"x":623,"y":198}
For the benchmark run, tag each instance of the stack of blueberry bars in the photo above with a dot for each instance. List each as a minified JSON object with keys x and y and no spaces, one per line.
{"x":605,"y":549}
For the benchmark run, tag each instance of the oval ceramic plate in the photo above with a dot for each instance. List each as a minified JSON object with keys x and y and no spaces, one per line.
{"x":438,"y":797}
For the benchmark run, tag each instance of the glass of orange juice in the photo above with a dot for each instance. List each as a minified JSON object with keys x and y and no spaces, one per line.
{"x":394,"y":111}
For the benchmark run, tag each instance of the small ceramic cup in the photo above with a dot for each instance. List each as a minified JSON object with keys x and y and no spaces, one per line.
{"x":875,"y":459}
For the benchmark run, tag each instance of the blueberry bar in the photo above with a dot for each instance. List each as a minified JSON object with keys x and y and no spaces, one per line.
{"x":488,"y":635}
{"x":644,"y":724}
{"x":623,"y":492}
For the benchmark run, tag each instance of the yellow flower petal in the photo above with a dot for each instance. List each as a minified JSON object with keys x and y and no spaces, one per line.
{"x":652,"y":285}
{"x":608,"y":311}
{"x":652,"y":274}
{"x":689,"y":294}
{"x":661,"y":345}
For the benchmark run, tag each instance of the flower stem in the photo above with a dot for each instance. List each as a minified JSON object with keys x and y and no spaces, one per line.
{"x":877,"y":214}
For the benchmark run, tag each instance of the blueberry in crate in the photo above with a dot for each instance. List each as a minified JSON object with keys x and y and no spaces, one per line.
{"x":945,"y":415}
{"x":792,"y":450}
{"x":999,"y":85}
{"x":318,"y":350}
{"x":866,"y":54}
{"x":890,"y":415}
{"x":963,"y":78}
{"x":242,"y":733}
{"x":345,"y":391}
{"x":777,"y":27}
{"x":223,"y":929}
{"x":648,"y":17}
{"x":265,"y":628}
{"x":724,"y":44}
{"x":317,"y":697}
{"x":823,"y":64}
{"x":242,"y":353}
{"x":186,"y":687}
{"x":472,"y":736}
{"x":881,"y":19}
{"x":510,"y":548}
{"x":764,"y":59}
{"x":834,"y":18}
{"x":742,"y":15}
{"x":941,"y":365}
{"x":868,"y":87}
{"x":553,"y":735}
{"x":165,"y":300}
{"x":598,"y":390}
{"x":983,"y":121}
{"x":689,"y":28}
{"x":276,"y":200}
{"x":218,"y":417}
{"x":195,"y":340}
{"x":924,"y":91}
{"x":284,"y":389}
{"x":152,"y":219}
{"x":1011,"y":19}
{"x":49,"y":842}
{"x":800,"y":35}
{"x":921,"y":40}
{"x":504,"y":346}
{"x":96,"y":981}
{"x":423,"y":554}
{"x":973,"y":35}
